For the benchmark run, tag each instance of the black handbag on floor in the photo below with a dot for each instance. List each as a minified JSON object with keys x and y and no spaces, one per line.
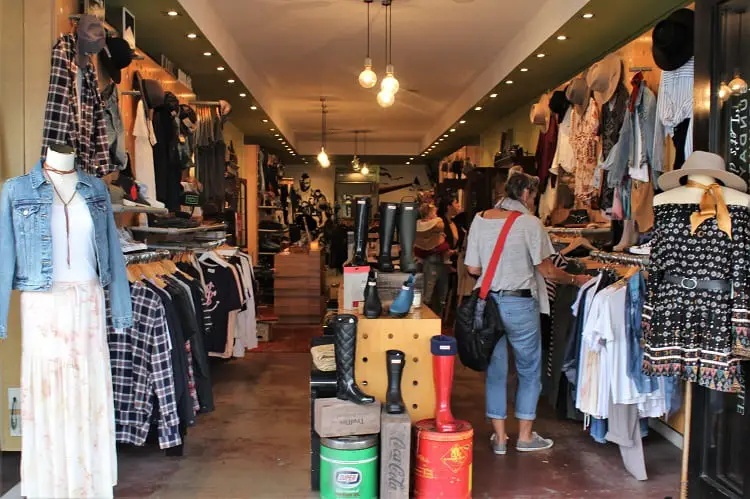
{"x":478,"y":326}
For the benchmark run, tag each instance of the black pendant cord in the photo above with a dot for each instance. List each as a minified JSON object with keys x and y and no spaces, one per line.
{"x":368,"y":30}
{"x":390,"y":33}
{"x":67,"y":216}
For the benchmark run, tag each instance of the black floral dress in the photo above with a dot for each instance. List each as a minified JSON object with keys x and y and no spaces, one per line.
{"x":691,"y":332}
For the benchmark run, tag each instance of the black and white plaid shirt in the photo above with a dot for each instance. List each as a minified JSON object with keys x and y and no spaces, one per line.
{"x":141,"y":370}
{"x":83,"y":129}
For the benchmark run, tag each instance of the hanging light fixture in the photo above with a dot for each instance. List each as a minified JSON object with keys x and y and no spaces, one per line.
{"x":322,"y":155}
{"x":355,"y":159}
{"x":390,"y":83}
{"x":738,"y":85}
{"x":365,"y":170}
{"x":368,"y":78}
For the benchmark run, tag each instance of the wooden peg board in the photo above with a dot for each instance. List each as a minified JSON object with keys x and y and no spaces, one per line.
{"x":412,"y":336}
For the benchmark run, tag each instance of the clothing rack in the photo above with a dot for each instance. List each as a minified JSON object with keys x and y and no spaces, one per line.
{"x":620,"y":258}
{"x":205,"y":103}
{"x":577,"y":231}
{"x":146,"y":256}
{"x":183,"y":247}
{"x":136,"y":93}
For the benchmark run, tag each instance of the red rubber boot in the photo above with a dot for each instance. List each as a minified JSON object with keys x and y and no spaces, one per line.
{"x":443,"y":359}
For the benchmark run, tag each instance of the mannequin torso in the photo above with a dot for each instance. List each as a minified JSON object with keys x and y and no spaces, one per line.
{"x":65,"y":183}
{"x":692,"y":195}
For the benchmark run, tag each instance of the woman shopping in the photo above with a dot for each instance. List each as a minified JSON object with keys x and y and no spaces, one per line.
{"x":518,"y":290}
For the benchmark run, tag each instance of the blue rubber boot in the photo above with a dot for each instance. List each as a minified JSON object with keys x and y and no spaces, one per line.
{"x":401,"y":305}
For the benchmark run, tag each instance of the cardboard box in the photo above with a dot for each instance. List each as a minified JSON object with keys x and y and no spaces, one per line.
{"x":355,"y":280}
{"x":341,"y":418}
{"x":264,"y":331}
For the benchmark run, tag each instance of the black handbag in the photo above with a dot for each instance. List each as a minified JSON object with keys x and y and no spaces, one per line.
{"x":478,"y":326}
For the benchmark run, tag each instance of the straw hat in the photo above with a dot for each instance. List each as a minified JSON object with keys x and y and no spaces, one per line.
{"x":540,"y":113}
{"x":578,"y":93}
{"x":603,"y":78}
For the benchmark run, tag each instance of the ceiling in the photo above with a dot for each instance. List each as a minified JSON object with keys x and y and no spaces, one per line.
{"x":449,"y":55}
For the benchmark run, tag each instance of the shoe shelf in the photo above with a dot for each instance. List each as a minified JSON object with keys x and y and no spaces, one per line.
{"x":411,"y":335}
{"x":119,"y":208}
{"x":173,"y":230}
{"x":179,"y":246}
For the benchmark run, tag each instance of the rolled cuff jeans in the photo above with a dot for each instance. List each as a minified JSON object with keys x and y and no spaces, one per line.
{"x":522,"y":325}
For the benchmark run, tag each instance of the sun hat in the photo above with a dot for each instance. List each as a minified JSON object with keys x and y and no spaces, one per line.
{"x":603,"y":78}
{"x":703,"y":163}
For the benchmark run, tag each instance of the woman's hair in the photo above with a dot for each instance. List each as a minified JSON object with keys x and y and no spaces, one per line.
{"x":519,"y":182}
{"x":426,"y":209}
{"x":444,"y":203}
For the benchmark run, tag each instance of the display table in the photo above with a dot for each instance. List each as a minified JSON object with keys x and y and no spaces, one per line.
{"x":412,"y":336}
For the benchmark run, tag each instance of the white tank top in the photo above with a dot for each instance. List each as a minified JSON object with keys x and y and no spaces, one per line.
{"x":83,"y":266}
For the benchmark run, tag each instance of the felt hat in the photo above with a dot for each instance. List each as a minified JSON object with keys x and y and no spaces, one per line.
{"x":116,"y":56}
{"x":578,"y":93}
{"x":559,"y":103}
{"x":151,"y":92}
{"x":703,"y":163}
{"x":673,"y":40}
{"x":603,"y":78}
{"x":90,"y":38}
{"x":540,"y":113}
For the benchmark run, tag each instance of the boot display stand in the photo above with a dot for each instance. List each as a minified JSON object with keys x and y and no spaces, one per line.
{"x":298,"y":287}
{"x":410,"y":335}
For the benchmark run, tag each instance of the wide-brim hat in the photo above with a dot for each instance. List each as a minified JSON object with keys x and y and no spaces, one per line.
{"x":152,"y":94}
{"x":578,"y":93}
{"x":116,"y":56}
{"x":540,"y":113}
{"x":673,"y":40}
{"x":603,"y":78}
{"x":703,"y":163}
{"x":559,"y":104}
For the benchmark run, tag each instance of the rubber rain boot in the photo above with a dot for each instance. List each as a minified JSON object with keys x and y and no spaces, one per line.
{"x":388,"y":215}
{"x":344,"y":345}
{"x":407,"y":233}
{"x":373,"y":307}
{"x":402,"y":304}
{"x":444,"y":351}
{"x":395,"y":361}
{"x":361,"y":225}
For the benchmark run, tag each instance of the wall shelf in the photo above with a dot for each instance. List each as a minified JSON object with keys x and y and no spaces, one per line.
{"x":172,"y":230}
{"x":119,"y":208}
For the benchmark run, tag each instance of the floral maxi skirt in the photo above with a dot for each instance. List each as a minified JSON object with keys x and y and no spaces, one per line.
{"x":67,"y":413}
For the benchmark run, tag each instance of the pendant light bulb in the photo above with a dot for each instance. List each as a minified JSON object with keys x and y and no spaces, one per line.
{"x":386,"y":99}
{"x":368,"y":78}
{"x":724,"y":91}
{"x":323,"y":158}
{"x":738,"y":85}
{"x":389,"y":83}
{"x":365,"y":170}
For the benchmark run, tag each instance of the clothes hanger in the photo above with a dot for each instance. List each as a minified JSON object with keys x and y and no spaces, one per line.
{"x":215,"y":257}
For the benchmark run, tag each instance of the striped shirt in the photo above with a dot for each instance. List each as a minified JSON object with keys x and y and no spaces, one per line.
{"x":674,"y":105}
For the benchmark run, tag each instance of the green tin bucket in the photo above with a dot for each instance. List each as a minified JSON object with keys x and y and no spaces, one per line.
{"x":349,"y":467}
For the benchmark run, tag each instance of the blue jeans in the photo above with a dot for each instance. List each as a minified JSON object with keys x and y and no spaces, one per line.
{"x":521,"y":321}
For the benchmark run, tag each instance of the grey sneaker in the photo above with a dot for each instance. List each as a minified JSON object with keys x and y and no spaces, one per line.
{"x":499,"y":448}
{"x":536,"y":443}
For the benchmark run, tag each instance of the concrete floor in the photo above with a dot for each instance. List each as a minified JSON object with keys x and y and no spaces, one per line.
{"x":256,"y":445}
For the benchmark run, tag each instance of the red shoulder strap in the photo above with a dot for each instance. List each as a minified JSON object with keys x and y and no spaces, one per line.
{"x":490,"y":273}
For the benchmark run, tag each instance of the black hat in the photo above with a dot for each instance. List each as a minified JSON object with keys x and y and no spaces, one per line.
{"x":116,"y":56}
{"x":673,"y":40}
{"x":152,"y":94}
{"x":559,"y":103}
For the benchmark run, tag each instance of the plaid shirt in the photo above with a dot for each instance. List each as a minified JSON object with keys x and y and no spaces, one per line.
{"x":84,"y":129}
{"x":142,"y":371}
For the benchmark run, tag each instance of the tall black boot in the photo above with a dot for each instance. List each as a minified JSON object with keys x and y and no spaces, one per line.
{"x":394,"y":402}
{"x":345,"y":344}
{"x":373,"y":307}
{"x":407,"y":233}
{"x":361,"y":225}
{"x":388,"y":213}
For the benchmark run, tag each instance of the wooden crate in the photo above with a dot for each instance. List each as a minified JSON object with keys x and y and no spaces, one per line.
{"x":298,"y":287}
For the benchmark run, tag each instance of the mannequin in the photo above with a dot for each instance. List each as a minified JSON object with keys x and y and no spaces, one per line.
{"x":62,"y":159}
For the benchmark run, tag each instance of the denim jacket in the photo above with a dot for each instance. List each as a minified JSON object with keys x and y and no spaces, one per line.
{"x":26,"y":241}
{"x":118,"y":156}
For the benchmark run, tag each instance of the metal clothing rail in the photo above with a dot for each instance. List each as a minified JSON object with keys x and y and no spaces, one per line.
{"x":578,"y":231}
{"x":146,"y":256}
{"x":205,"y":103}
{"x":620,"y":258}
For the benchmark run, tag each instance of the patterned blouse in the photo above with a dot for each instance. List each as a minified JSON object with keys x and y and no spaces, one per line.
{"x":584,"y":138}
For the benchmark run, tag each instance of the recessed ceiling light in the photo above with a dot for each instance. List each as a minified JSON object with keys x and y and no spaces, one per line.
{"x":441,"y":139}
{"x":408,"y":162}
{"x":207,"y":54}
{"x":265,"y":121}
{"x":173,"y":13}
{"x":424,"y":154}
{"x":192,"y":36}
{"x":276,"y":135}
{"x":588,"y":15}
{"x":509,"y":82}
{"x":452,"y":130}
{"x":255,"y":108}
{"x":540,"y":55}
{"x":492,"y":96}
{"x":272,"y":129}
{"x":230,"y":80}
{"x":445,"y":135}
{"x":523,"y":70}
{"x":462,"y":122}
{"x":220,"y":68}
{"x":243,"y":94}
{"x":478,"y":108}
{"x":411,"y":159}
{"x":435,"y":143}
{"x":562,"y":38}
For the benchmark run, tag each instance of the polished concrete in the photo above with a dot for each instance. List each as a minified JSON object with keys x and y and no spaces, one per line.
{"x":256,"y":445}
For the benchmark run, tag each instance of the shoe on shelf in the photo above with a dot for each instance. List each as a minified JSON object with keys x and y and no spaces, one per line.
{"x":643,"y":249}
{"x":402,"y":304}
{"x":127,"y":243}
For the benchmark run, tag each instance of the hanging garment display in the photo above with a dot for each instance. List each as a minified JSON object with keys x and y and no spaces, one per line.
{"x":167,"y":167}
{"x":674,"y":113}
{"x":584,"y":139}
{"x":698,"y":278}
{"x":547,"y":144}
{"x":73,"y":119}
